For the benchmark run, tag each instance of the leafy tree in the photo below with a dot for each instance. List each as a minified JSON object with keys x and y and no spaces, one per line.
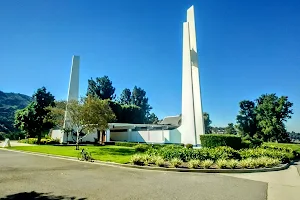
{"x":33,"y":118}
{"x":230,"y":129}
{"x":246,"y":119}
{"x":138,"y":98}
{"x":271,"y":113}
{"x":101,"y":87}
{"x":97,"y":114}
{"x":125,"y":97}
{"x":152,"y":119}
{"x":207,"y":123}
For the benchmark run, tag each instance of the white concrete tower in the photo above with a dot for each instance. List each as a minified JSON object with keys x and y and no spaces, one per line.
{"x":192,"y":124}
{"x":73,"y":91}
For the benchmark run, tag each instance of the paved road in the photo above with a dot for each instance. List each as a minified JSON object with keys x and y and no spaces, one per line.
{"x":24,"y":176}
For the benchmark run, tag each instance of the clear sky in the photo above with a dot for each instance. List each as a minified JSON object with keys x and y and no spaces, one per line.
{"x":246,"y":48}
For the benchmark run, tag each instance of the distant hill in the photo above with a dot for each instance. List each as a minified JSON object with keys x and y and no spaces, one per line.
{"x":9,"y":103}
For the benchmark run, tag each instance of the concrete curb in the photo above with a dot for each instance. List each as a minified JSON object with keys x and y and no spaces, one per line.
{"x":282,"y":167}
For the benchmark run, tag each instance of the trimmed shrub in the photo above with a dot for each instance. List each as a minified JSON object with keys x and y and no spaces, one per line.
{"x":206,"y":164}
{"x":221,"y":164}
{"x":232,"y":164}
{"x":175,"y":162}
{"x":215,"y":140}
{"x":193,"y":164}
{"x":189,"y":146}
{"x":160,"y":162}
{"x":248,"y":142}
{"x":138,"y":159}
{"x":126,"y":144}
{"x":283,"y":156}
{"x":141,"y":148}
{"x":43,"y":141}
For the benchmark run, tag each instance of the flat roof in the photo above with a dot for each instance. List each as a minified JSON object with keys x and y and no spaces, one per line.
{"x":132,"y":126}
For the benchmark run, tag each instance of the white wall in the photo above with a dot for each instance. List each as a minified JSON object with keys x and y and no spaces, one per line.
{"x":151,"y":136}
{"x":57,"y":134}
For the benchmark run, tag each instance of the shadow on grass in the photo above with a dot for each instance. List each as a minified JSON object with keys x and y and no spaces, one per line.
{"x":40,"y":196}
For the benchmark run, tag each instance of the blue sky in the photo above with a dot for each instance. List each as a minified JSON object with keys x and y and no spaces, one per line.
{"x":246,"y":48}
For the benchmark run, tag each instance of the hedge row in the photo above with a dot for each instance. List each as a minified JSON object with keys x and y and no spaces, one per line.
{"x":250,"y":163}
{"x":170,"y":152}
{"x":43,"y":141}
{"x":215,"y":140}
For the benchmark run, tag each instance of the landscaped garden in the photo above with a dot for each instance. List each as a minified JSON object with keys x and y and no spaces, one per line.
{"x":217,"y":154}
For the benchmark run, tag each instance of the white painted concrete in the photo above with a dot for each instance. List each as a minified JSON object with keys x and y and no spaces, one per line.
{"x":73,"y":91}
{"x":192,"y":116}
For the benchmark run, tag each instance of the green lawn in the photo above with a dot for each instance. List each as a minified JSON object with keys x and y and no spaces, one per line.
{"x":116,"y":154}
{"x":295,"y":147}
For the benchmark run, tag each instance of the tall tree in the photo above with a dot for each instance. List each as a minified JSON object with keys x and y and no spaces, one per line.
{"x":207,"y":123}
{"x":33,"y":118}
{"x":271,"y":113}
{"x":125,"y":97}
{"x":138,"y":98}
{"x":97,"y":114}
{"x":152,"y":119}
{"x":101,"y":87}
{"x":246,"y":119}
{"x":230,"y":129}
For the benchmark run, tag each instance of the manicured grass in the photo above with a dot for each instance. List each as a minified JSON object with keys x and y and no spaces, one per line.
{"x":116,"y":154}
{"x":295,"y":147}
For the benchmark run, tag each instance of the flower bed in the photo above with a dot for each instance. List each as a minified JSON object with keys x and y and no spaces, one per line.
{"x":211,"y":158}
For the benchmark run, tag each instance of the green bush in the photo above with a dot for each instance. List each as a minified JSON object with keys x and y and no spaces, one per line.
{"x":42,"y":142}
{"x":194,"y":164}
{"x":232,"y":164}
{"x":189,"y":146}
{"x":260,"y":162}
{"x":184,"y":154}
{"x":251,"y":142}
{"x":206,"y":164}
{"x":160,"y":162}
{"x":126,"y":144}
{"x":221,"y":163}
{"x":141,"y":148}
{"x":283,"y":156}
{"x":215,"y":140}
{"x":175,"y":162}
{"x":138,"y":159}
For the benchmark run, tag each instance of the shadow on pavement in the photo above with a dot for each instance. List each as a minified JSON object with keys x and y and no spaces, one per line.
{"x":40,"y":196}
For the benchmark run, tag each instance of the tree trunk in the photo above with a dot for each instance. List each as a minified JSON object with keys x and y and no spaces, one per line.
{"x":39,"y":138}
{"x":99,"y":136}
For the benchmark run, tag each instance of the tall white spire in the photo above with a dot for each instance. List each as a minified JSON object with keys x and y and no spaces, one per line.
{"x":192,"y":125}
{"x":73,"y":91}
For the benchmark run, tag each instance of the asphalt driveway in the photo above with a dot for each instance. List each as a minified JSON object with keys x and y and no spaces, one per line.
{"x":24,"y":176}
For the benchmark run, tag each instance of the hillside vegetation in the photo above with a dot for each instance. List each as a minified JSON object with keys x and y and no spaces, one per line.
{"x":9,"y":103}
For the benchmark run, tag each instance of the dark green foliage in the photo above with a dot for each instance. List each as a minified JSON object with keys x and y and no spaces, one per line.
{"x":33,"y":118}
{"x":127,"y":113}
{"x":284,"y":156}
{"x":152,"y":119}
{"x":248,"y":142}
{"x":138,"y":98}
{"x":44,"y":141}
{"x":9,"y":103}
{"x":230,"y":129}
{"x":102,"y":88}
{"x":184,"y":154}
{"x":215,"y":140}
{"x":189,"y":146}
{"x":126,"y":144}
{"x":125,"y":97}
{"x":141,"y":147}
{"x":246,"y":119}
{"x":207,"y":123}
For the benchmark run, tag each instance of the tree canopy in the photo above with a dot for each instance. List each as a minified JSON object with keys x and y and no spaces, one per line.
{"x":101,"y":87}
{"x":33,"y":119}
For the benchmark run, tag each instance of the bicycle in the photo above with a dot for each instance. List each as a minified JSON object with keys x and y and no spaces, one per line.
{"x":85,"y":156}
